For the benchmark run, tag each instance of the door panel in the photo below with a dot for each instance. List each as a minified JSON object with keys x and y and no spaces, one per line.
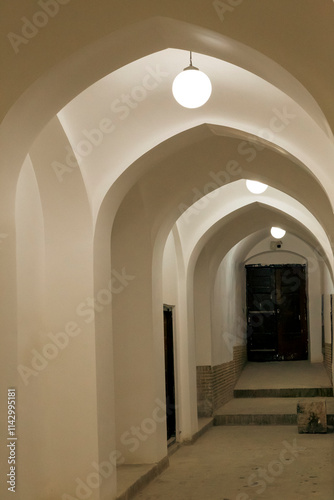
{"x":261,"y":321}
{"x":291,"y":312}
{"x":276,"y":312}
{"x":263,"y":338}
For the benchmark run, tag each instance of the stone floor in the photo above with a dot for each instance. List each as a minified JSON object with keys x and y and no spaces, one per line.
{"x":248,"y":463}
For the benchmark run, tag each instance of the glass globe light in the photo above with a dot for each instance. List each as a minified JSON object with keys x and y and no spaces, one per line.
{"x":256,"y":187}
{"x":191,"y":88}
{"x":277,"y":232}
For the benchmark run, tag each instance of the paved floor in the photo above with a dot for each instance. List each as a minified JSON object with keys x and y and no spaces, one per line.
{"x":283,"y":375}
{"x":248,"y":463}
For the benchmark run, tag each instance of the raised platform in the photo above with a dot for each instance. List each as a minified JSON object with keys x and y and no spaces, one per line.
{"x":268,"y":393}
{"x":265,"y":411}
{"x":283,"y":379}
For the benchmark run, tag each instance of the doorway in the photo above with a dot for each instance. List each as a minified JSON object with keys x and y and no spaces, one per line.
{"x":276,"y":312}
{"x":169,"y":372}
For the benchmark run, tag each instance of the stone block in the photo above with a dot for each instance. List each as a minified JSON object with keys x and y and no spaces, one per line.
{"x":312,"y":417}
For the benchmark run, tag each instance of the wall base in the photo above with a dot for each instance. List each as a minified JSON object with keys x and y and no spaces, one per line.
{"x":215,"y":384}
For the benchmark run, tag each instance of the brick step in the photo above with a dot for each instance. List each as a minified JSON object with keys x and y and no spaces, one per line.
{"x":299,"y":392}
{"x":266,"y":411}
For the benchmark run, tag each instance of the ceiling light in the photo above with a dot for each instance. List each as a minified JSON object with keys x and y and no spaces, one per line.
{"x":277,"y":232}
{"x":256,"y":187}
{"x":191,"y":88}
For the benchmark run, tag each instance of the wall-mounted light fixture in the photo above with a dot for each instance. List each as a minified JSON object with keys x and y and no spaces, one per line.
{"x":191,"y":88}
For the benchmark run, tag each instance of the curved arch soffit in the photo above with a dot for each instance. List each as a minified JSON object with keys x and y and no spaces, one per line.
{"x":290,"y":252}
{"x":168,"y":160}
{"x":248,"y":244}
{"x":236,"y":225}
{"x":218,"y":204}
{"x":126,"y":102}
{"x":84,"y":68}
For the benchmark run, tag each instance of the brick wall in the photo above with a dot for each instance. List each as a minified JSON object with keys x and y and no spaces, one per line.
{"x":223,"y":381}
{"x":204,"y":391}
{"x":328,"y":360}
{"x":215,"y":384}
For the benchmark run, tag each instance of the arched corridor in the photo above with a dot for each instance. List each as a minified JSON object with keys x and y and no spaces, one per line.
{"x":118,"y":204}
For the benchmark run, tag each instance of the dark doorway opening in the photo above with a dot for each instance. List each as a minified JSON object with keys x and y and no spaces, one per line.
{"x":169,"y":372}
{"x":331,"y":303}
{"x":276,"y":312}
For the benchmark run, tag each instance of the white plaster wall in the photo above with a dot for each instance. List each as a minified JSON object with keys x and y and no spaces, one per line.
{"x":327,"y":289}
{"x":138,"y":342}
{"x":30,"y":274}
{"x":59,"y":342}
{"x":228,"y":306}
{"x":176,"y":294}
{"x":169,"y":273}
{"x":202,"y":312}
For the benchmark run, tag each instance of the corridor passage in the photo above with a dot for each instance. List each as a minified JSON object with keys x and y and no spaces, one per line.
{"x":249,"y":463}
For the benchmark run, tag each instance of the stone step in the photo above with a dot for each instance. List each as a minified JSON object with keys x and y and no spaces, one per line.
{"x":298,"y":392}
{"x":266,"y":411}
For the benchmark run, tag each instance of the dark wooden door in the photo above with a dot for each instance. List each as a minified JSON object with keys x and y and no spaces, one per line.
{"x":276,"y":313}
{"x":169,"y":372}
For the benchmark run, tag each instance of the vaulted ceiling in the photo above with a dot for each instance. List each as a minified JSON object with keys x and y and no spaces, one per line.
{"x":101,"y":76}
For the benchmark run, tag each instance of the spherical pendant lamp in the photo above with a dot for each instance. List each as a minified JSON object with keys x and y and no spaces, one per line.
{"x":191,"y":88}
{"x":277,"y":232}
{"x":256,"y":187}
